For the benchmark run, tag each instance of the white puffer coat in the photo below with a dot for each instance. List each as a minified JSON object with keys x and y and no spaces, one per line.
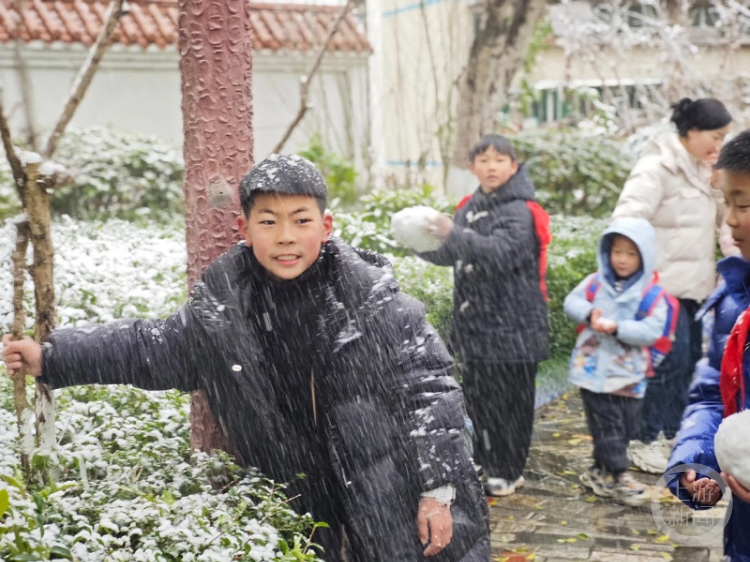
{"x":672,"y":190}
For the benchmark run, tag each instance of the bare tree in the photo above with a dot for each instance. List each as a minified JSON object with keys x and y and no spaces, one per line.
{"x":497,"y":53}
{"x":304,"y":88}
{"x":34,"y":192}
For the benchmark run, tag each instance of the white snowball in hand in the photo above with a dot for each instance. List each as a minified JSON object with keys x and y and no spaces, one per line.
{"x":606,"y":323}
{"x":732,"y":446}
{"x":410,"y":228}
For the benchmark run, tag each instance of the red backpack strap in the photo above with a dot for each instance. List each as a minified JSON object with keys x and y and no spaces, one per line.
{"x":544,"y":234}
{"x":592,"y":287}
{"x":461,"y":203}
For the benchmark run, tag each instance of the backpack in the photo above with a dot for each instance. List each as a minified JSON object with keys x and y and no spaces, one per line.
{"x":543,"y":233}
{"x":651,"y":295}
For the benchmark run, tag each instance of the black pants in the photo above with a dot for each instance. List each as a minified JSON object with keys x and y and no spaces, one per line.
{"x":667,"y":393}
{"x":500,"y":403}
{"x":613,"y":422}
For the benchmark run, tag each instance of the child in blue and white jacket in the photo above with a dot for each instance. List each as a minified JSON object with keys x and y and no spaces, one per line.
{"x":611,"y":358}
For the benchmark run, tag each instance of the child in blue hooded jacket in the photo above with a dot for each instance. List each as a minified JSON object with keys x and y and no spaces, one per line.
{"x":713,"y":393}
{"x":611,"y":358}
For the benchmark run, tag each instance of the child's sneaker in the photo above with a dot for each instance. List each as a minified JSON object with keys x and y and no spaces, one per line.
{"x":598,"y":482}
{"x":628,"y":491}
{"x":648,"y":457}
{"x":499,"y":487}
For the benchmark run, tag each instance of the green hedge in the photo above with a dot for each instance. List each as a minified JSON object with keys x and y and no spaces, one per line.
{"x":573,"y":174}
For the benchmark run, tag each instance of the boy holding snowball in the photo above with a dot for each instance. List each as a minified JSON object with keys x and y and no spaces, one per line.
{"x":496,"y":243}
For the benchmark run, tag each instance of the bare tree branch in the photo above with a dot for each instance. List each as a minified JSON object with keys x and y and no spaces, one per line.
{"x":305,"y":80}
{"x":27,"y":93}
{"x":10,"y":153}
{"x":83,"y":80}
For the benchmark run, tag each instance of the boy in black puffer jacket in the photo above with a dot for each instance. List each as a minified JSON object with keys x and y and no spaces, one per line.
{"x":496,"y":244}
{"x":313,"y":362}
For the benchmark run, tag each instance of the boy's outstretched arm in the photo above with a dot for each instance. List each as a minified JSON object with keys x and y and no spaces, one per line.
{"x":24,"y":354}
{"x":148,"y":354}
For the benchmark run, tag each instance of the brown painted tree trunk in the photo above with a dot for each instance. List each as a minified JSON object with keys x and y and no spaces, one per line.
{"x":216,"y":67}
{"x":497,"y":53}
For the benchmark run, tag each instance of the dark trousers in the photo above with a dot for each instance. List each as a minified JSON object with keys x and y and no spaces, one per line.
{"x":500,"y":403}
{"x":667,"y":393}
{"x":613,"y":422}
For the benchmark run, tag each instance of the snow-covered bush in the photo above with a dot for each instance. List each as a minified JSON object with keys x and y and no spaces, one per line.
{"x":339,"y":172}
{"x":131,"y":488}
{"x":122,"y":175}
{"x":574,"y":174}
{"x":368,"y":227}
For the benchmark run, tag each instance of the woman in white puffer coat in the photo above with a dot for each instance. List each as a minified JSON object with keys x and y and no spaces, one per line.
{"x":671,"y":187}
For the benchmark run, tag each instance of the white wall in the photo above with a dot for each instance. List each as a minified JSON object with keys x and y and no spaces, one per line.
{"x":139,"y":91}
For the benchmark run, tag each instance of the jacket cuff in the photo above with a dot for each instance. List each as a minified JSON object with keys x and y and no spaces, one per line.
{"x":444,"y":494}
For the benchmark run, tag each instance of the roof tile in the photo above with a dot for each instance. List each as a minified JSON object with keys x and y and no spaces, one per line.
{"x":296,"y":27}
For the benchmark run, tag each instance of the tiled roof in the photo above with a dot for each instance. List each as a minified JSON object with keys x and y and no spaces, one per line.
{"x":154,"y":22}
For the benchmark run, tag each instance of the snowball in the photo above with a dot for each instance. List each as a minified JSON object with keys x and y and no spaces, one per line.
{"x":733,"y":447}
{"x":606,"y":323}
{"x":410,"y":228}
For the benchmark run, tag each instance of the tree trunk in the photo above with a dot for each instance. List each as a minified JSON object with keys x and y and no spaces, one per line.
{"x":498,"y":51}
{"x":216,"y":67}
{"x":37,"y":209}
{"x":23,"y":413}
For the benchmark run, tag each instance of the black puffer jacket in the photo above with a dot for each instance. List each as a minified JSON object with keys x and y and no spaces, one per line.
{"x":500,"y":314}
{"x":391,"y":413}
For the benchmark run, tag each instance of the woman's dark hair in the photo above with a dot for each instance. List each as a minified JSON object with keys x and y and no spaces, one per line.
{"x":498,"y":142}
{"x":705,"y":114}
{"x":735,"y":156}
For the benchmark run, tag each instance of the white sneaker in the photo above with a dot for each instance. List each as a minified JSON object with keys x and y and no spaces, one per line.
{"x":666,"y":444}
{"x":650,"y":458}
{"x":499,"y":487}
{"x":628,"y":491}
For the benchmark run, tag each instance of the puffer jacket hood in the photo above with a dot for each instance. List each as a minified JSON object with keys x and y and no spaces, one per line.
{"x":642,"y":234}
{"x":607,"y":363}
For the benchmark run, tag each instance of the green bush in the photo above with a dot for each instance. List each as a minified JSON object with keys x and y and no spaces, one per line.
{"x":119,"y":175}
{"x":574,"y":174}
{"x":339,"y":172}
{"x":368,"y":227}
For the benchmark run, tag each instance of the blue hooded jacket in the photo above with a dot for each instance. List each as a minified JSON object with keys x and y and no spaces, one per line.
{"x":608,"y":363}
{"x":704,"y":414}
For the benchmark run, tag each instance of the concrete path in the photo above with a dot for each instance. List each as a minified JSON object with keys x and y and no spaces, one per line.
{"x":554,"y":518}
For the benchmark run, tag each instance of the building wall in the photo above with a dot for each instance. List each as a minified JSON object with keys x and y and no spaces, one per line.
{"x":139,"y":91}
{"x":424,"y":46}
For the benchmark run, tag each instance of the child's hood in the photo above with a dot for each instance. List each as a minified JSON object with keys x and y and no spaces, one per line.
{"x":643,"y":235}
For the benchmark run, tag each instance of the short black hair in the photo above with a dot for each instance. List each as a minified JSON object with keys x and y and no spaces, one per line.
{"x":498,"y":142}
{"x":705,"y":114}
{"x":735,"y":155}
{"x":283,"y":174}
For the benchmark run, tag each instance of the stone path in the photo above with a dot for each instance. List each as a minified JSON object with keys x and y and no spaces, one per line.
{"x":554,"y":518}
